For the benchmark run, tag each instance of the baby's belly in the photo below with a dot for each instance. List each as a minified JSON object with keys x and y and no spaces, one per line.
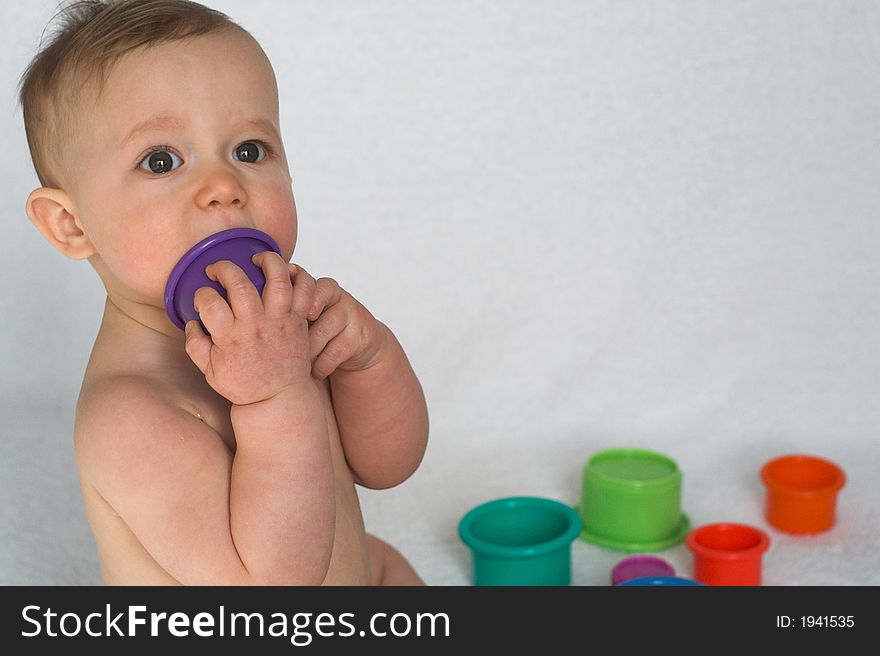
{"x":350,"y":560}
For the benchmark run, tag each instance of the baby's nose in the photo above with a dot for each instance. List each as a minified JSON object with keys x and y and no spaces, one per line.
{"x":221,"y":188}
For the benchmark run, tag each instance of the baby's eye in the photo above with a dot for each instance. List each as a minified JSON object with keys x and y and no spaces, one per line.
{"x":160,"y":160}
{"x":250,"y":152}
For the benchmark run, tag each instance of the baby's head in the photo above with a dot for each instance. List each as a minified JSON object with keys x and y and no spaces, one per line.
{"x":152,"y":124}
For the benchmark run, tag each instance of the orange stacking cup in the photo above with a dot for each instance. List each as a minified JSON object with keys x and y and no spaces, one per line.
{"x":801,"y":493}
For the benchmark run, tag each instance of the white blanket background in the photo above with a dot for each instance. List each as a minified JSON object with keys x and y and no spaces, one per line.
{"x":592,"y":224}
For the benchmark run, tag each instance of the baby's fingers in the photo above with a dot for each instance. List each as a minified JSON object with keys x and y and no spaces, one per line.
{"x":276,"y":290}
{"x":338,"y":350}
{"x":303,"y":290}
{"x":327,"y":293}
{"x":198,"y":345}
{"x":327,"y":327}
{"x":214,"y":311}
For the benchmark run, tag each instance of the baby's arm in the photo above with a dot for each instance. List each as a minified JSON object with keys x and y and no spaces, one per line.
{"x":379,"y":404}
{"x":264,"y":515}
{"x":282,"y":503}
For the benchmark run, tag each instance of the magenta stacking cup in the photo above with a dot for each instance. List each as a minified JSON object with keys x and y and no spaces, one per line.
{"x":636,"y":567}
{"x":237,"y":245}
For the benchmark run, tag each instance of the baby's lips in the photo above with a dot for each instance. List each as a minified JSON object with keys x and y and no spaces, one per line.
{"x":237,"y":245}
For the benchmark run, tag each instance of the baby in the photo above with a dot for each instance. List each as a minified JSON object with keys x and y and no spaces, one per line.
{"x":230,"y":456}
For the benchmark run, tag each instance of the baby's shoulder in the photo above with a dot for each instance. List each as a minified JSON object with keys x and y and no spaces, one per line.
{"x":123,"y":418}
{"x":113,"y":398}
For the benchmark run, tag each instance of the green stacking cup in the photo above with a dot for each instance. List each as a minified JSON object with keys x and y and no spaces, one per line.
{"x":521,"y":541}
{"x":631,"y":501}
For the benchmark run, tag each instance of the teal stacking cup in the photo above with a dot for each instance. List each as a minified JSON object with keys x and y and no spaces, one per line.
{"x":631,"y":501}
{"x":521,"y":541}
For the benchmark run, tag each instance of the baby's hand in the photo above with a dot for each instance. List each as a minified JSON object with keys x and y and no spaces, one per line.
{"x":343,"y":334}
{"x":258,"y":347}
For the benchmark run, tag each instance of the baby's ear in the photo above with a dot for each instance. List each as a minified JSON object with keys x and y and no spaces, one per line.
{"x":51,"y":211}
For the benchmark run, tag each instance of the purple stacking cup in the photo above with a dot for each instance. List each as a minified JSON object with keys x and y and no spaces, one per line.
{"x":238,"y":245}
{"x":635,"y":567}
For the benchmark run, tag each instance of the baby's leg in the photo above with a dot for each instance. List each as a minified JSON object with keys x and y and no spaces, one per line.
{"x":389,"y":567}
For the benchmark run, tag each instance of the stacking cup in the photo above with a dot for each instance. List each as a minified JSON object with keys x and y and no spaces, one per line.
{"x":728,"y":554}
{"x":636,"y":567}
{"x":661,"y":580}
{"x":631,"y":501}
{"x":801,"y":493}
{"x":238,"y":245}
{"x":521,"y":541}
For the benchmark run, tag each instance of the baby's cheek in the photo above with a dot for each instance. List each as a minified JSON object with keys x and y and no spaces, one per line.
{"x":281,"y":220}
{"x":142,"y":258}
{"x":134,"y":259}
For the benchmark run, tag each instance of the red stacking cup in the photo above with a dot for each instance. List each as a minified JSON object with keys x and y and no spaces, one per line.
{"x":727,"y":554}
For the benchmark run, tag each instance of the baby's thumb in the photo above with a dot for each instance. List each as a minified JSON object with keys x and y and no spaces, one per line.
{"x":198,"y":345}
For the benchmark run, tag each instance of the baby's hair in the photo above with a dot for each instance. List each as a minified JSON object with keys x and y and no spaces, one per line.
{"x":91,"y":37}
